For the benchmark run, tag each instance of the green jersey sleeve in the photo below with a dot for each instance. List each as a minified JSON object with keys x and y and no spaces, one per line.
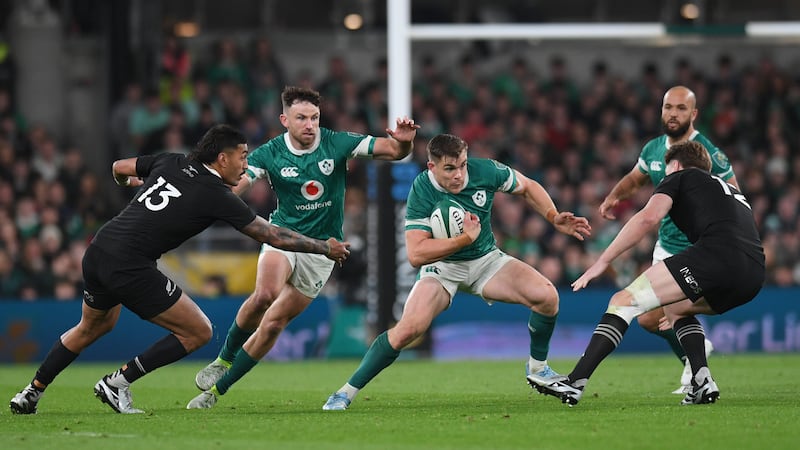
{"x":355,"y":145}
{"x":720,"y":166}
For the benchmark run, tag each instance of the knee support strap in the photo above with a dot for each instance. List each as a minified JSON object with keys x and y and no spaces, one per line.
{"x":644,"y":299}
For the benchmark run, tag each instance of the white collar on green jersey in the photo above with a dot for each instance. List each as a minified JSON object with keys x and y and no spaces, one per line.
{"x":438,"y":187}
{"x":301,"y":152}
{"x":691,"y":138}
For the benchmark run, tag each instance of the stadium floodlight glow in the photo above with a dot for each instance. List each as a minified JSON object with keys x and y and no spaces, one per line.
{"x":690,"y":11}
{"x":353,"y":22}
{"x":186,"y":29}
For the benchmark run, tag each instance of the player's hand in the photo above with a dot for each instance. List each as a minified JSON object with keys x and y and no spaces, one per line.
{"x":607,"y":206}
{"x":472,"y":226}
{"x":405,"y":131}
{"x":569,"y":224}
{"x":591,"y":273}
{"x":338,"y":251}
{"x":135,"y":182}
{"x":664,"y":324}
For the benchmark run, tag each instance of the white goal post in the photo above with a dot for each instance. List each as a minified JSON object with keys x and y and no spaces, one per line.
{"x":401,"y":33}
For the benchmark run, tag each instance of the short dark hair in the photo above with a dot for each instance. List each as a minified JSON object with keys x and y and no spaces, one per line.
{"x":217,"y":139}
{"x":689,"y":154}
{"x":295,"y":94}
{"x":445,"y":145}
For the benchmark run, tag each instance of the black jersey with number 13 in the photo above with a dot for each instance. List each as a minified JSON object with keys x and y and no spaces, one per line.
{"x":179,"y":199}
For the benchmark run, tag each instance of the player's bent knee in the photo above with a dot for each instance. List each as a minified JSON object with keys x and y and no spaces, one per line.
{"x":262,"y":300}
{"x":546,"y":301}
{"x":273,"y":327}
{"x":206,"y":334}
{"x":649,"y":321}
{"x":403,"y":337}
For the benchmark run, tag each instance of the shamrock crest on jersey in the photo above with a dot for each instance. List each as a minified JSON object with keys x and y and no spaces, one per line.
{"x":479,"y":197}
{"x":326,"y":166}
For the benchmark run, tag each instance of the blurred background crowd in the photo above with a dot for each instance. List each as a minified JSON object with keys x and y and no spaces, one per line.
{"x":577,"y":136}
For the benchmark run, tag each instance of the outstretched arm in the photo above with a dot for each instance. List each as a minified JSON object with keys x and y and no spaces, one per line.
{"x":637,"y":227}
{"x":286,"y":239}
{"x":401,"y":142}
{"x":624,"y":188}
{"x":538,"y":199}
{"x":124,"y":172}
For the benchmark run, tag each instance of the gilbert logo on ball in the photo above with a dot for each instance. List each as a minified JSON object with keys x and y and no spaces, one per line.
{"x":447,"y":219}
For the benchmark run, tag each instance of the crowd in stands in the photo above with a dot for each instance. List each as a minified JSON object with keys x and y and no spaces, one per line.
{"x":576,"y":139}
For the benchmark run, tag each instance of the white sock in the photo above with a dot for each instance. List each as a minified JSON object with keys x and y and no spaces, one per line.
{"x":534,"y":365}
{"x":349,"y":390}
{"x":118,"y":380}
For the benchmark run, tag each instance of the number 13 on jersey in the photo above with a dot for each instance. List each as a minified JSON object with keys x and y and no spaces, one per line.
{"x":169,"y":191}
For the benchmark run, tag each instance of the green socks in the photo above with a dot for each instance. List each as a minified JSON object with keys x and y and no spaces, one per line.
{"x":241,"y":365}
{"x":234,"y":341}
{"x":540,"y":329}
{"x":379,"y":356}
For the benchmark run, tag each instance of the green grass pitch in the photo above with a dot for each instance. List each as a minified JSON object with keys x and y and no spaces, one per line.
{"x":419,"y":405}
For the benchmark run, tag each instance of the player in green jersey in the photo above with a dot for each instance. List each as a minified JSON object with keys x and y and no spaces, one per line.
{"x":306,"y":167}
{"x":470,"y":262}
{"x":678,"y":111}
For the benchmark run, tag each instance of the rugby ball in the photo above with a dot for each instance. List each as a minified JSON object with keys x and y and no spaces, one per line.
{"x":447,"y":219}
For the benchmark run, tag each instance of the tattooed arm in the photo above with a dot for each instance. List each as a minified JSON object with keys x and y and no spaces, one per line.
{"x":286,"y":239}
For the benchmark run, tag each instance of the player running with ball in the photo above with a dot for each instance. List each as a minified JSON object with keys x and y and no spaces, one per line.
{"x":470,"y":262}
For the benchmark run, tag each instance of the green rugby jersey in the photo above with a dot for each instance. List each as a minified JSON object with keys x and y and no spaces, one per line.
{"x":484,"y":178}
{"x":309,"y":184}
{"x":651,"y":163}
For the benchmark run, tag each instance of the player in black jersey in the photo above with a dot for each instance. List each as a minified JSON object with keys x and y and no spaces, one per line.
{"x":179,"y":197}
{"x":722,"y":269}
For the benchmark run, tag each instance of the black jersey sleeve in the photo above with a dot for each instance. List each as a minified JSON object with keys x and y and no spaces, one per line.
{"x":145,"y":164}
{"x":670,"y":185}
{"x":229,"y":208}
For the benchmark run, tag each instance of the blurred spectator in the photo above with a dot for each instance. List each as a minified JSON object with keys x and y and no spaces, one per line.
{"x":227,"y":65}
{"x":47,"y":159}
{"x":38,"y":280}
{"x":147,"y":118}
{"x":94,"y":206}
{"x":202,"y":97}
{"x":11,"y":276}
{"x":175,"y":66}
{"x":267,"y":78}
{"x":27,"y":218}
{"x":8,"y":73}
{"x":72,"y":170}
{"x":120,"y":121}
{"x":206,"y":120}
{"x":214,"y":287}
{"x":332,"y":86}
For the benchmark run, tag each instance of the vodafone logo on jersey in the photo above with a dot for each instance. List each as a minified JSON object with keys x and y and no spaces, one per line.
{"x":312,"y":190}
